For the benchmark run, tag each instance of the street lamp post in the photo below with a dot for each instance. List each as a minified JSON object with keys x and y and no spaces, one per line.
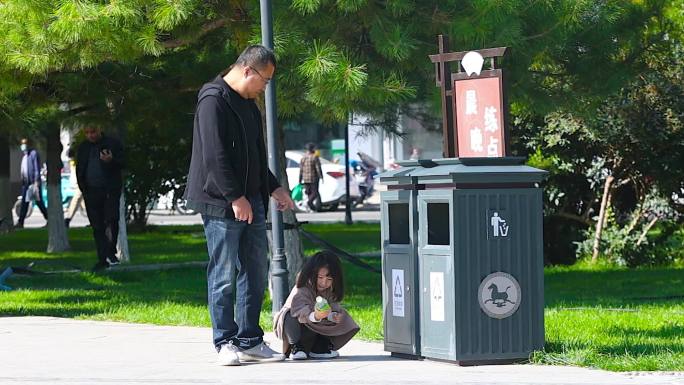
{"x":279,"y":274}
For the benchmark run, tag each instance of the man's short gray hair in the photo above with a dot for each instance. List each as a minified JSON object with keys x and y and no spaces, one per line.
{"x":256,"y":56}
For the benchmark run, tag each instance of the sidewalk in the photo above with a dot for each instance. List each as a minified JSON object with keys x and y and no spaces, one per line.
{"x":46,"y":350}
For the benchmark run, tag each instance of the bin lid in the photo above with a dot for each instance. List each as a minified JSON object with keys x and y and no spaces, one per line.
{"x":397,"y":176}
{"x":463,"y":170}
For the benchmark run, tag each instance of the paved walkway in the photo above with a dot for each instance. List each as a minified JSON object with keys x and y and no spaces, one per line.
{"x":46,"y":350}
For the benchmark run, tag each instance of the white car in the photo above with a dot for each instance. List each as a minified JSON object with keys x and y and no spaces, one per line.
{"x":332,"y":188}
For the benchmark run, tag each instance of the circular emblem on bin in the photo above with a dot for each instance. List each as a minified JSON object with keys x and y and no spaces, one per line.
{"x":499,"y":295}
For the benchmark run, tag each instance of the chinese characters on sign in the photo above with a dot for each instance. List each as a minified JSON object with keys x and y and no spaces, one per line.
{"x":478,"y":117}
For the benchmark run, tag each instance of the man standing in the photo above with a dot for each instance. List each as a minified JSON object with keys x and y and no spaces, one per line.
{"x":30,"y":181}
{"x":229,"y":183}
{"x":99,"y":161}
{"x":310,"y":174}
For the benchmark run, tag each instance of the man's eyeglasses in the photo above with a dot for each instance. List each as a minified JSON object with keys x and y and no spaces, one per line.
{"x":260,"y":75}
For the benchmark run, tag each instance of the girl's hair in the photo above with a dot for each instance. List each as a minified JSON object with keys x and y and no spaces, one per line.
{"x":309,"y":273}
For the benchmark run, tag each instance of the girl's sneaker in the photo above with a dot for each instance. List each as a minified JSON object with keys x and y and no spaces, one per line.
{"x":327,"y":355}
{"x":297,"y":352}
{"x":323,"y":348}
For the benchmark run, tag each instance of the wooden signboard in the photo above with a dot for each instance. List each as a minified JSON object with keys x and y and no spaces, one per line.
{"x":474,"y":108}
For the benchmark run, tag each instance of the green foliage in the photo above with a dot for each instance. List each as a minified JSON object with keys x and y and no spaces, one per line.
{"x":631,"y":242}
{"x":305,"y":7}
{"x":635,"y":135}
{"x":170,"y":14}
{"x":588,"y":73}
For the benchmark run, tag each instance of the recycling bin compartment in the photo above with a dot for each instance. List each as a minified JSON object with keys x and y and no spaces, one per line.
{"x":400,"y":271}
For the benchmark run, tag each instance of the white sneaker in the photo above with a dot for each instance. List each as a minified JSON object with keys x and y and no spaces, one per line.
{"x":228,"y":355}
{"x":299,"y":355}
{"x":260,"y":353}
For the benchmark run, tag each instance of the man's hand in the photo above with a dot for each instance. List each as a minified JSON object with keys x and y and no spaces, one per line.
{"x":106,"y":155}
{"x":242,"y":210}
{"x":283,"y":199}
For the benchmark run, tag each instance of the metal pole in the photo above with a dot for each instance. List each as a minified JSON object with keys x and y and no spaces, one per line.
{"x":279,"y":283}
{"x":347,"y":202}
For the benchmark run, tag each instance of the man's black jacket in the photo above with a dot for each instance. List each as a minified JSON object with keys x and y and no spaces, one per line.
{"x":219,"y":163}
{"x":112,"y":169}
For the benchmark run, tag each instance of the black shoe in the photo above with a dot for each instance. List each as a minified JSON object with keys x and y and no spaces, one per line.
{"x":113,"y":260}
{"x":327,"y":354}
{"x":102,"y":265}
{"x":297,"y":352}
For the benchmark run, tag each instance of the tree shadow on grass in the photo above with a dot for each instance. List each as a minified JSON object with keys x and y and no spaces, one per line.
{"x":85,"y":294}
{"x":60,"y":305}
{"x":614,"y":288}
{"x":668,"y":332}
{"x":667,"y":335}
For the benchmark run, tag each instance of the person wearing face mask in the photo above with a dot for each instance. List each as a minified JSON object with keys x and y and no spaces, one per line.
{"x":30,"y":181}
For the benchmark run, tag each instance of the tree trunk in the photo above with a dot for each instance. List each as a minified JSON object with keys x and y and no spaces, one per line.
{"x":122,"y":241}
{"x":58,"y":240}
{"x":602,"y":217}
{"x":6,"y":201}
{"x":293,"y":247}
{"x":648,"y":227}
{"x":293,"y":243}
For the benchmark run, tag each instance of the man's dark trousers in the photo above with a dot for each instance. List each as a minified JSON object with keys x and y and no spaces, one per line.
{"x":102,"y":206}
{"x":313,"y":196}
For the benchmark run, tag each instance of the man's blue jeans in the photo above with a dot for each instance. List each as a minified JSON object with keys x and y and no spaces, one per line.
{"x":232,"y":246}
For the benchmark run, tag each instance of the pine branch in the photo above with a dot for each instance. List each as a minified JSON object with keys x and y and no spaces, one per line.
{"x":544,"y":33}
{"x":204,"y":30}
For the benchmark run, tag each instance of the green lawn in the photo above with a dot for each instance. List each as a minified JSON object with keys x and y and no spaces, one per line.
{"x":610,"y":318}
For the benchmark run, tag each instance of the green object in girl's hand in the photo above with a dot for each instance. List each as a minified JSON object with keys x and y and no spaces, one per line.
{"x":296,"y":194}
{"x":322,"y":304}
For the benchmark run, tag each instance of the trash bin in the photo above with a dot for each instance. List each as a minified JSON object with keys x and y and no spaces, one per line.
{"x":399,"y":234}
{"x":479,"y":259}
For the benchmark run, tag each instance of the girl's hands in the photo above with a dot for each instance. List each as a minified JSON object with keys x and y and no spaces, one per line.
{"x":320,"y":315}
{"x":336,"y":317}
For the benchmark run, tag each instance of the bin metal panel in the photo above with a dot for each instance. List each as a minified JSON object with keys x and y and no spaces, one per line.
{"x":399,"y":272}
{"x":399,"y":306}
{"x":498,"y":247}
{"x":436,"y":307}
{"x":436,"y":271}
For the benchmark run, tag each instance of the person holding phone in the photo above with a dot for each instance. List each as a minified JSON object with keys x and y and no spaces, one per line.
{"x":99,"y":162}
